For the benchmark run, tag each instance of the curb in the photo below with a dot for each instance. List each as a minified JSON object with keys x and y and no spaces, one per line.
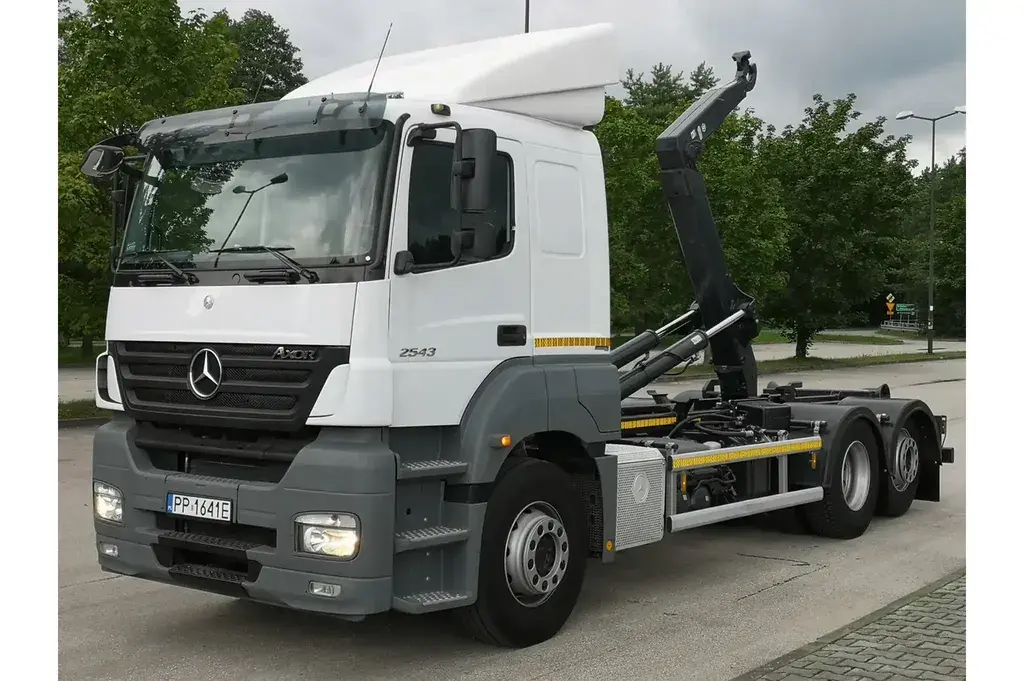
{"x":63,"y":424}
{"x":832,"y":637}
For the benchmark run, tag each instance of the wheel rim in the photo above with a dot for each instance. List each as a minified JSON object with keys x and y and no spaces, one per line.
{"x":907,"y":461}
{"x":536,"y":554}
{"x":856,"y":475}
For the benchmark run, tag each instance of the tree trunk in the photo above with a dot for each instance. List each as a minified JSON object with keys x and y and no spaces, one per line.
{"x":87,"y":351}
{"x":803,"y":341}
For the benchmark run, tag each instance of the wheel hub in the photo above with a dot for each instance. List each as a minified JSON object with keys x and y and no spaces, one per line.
{"x":907,"y":461}
{"x":855,"y":476}
{"x":536,"y":554}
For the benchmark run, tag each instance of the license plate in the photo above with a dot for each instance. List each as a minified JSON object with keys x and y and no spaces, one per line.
{"x":199,"y":507}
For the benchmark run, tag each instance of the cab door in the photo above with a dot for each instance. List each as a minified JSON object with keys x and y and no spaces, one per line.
{"x":450,"y":325}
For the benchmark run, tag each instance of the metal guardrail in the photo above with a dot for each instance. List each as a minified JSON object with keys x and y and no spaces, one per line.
{"x":895,"y":325}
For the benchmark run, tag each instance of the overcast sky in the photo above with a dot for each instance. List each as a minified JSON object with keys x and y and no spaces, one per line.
{"x":894,"y":54}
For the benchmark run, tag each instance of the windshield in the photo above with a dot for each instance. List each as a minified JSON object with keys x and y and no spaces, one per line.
{"x":315,"y":195}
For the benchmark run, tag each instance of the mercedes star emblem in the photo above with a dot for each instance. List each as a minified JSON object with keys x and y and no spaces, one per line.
{"x":208,"y":302}
{"x":205,"y":373}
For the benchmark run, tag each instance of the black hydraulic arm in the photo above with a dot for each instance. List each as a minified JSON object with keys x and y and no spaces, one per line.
{"x":718,"y":297}
{"x":648,"y":340}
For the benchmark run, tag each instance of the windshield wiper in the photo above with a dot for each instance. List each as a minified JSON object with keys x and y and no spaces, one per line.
{"x":176,"y":272}
{"x":310,"y":276}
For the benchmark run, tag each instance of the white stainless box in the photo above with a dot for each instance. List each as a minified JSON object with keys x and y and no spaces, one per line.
{"x":640,"y":495}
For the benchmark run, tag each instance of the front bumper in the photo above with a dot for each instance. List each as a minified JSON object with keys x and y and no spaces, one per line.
{"x":343,"y":470}
{"x":274,"y":585}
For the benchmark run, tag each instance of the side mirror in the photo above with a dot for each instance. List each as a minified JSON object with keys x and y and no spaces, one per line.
{"x":476,"y":153}
{"x":102,"y":161}
{"x":404,"y":262}
{"x":462,"y":241}
{"x":478,"y":241}
{"x":485,"y":241}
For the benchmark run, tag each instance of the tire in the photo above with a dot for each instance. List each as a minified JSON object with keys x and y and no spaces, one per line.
{"x":899,"y":485}
{"x":526,"y":490}
{"x":834,"y":516}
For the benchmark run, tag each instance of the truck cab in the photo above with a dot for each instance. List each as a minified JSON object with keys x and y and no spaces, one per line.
{"x":333,"y":317}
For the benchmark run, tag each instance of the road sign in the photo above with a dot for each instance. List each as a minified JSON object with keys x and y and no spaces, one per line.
{"x":890,"y":298}
{"x":888,"y":308}
{"x":906,"y":308}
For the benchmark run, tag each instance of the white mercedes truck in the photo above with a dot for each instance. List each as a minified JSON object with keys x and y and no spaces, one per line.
{"x":359,"y":358}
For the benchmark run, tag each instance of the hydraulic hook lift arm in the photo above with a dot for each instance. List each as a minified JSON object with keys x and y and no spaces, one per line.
{"x":717,"y":296}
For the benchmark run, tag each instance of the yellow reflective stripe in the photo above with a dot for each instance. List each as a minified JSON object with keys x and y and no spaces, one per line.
{"x":746,"y":454}
{"x":598,"y":342}
{"x":647,"y":423}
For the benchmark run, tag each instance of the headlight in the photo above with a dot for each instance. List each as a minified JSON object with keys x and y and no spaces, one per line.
{"x":335,"y":535}
{"x":107,"y":502}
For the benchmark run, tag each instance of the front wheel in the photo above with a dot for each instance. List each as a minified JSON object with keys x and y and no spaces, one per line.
{"x":532,"y":556}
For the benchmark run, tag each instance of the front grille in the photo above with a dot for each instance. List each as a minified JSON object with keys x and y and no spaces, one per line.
{"x":231,"y":374}
{"x":162,"y":347}
{"x":256,"y":389}
{"x":223,"y":399}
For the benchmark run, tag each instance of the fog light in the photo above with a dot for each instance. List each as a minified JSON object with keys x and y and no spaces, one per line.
{"x":324,"y":589}
{"x":107,"y":502}
{"x":108,"y":549}
{"x":335,"y":535}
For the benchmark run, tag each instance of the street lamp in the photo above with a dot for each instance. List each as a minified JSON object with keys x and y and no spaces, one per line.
{"x":902,"y":116}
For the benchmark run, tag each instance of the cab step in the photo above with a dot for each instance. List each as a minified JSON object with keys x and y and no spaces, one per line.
{"x":410,"y":540}
{"x":206,"y":572}
{"x":429,"y":601}
{"x":431,"y":469}
{"x":232,"y":548}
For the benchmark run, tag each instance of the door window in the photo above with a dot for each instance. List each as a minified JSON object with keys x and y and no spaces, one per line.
{"x":433,"y":225}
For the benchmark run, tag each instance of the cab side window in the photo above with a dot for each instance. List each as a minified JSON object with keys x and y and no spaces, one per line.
{"x":433,"y":225}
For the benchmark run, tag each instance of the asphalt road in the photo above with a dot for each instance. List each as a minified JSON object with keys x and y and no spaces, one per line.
{"x":706,"y":604}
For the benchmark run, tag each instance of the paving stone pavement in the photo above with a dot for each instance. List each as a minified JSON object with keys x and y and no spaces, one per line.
{"x":922,"y":639}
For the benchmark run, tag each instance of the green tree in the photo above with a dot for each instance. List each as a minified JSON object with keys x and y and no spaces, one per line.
{"x":122,"y":63}
{"x":659,"y":99}
{"x":268,"y":65}
{"x":637,"y":219}
{"x":845,"y":194}
{"x":950,"y":246}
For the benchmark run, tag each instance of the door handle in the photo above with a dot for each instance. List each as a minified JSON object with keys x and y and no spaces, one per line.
{"x":511,"y":334}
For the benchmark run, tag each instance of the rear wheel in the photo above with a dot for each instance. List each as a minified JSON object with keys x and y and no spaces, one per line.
{"x":849,"y":502}
{"x":532,"y":556}
{"x":899,"y":487}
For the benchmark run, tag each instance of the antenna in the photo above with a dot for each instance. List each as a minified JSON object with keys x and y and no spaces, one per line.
{"x":259,"y":88}
{"x":376,"y":66}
